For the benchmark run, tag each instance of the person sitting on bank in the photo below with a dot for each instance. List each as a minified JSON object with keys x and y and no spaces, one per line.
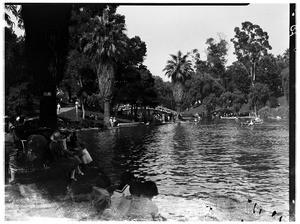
{"x":123,"y":189}
{"x":73,"y":152}
{"x":121,"y":205}
{"x":79,"y":150}
{"x":143,"y":208}
{"x":85,"y":157}
{"x":61,"y":155}
{"x":124,"y":206}
{"x":100,"y":196}
{"x":73,"y":140}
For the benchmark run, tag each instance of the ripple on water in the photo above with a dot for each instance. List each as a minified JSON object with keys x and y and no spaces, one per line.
{"x":194,"y":164}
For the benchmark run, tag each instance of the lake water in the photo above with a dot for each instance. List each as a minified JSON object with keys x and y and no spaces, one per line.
{"x":204,"y":171}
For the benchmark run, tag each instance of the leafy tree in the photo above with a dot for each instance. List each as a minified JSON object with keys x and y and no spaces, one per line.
{"x":128,"y":73}
{"x":135,"y":52}
{"x":81,"y":16}
{"x":104,"y":44}
{"x":136,"y":87}
{"x":78,"y":70}
{"x":15,"y":10}
{"x":148,"y":96}
{"x":259,"y":95}
{"x":15,"y":67}
{"x":18,"y":101}
{"x":201,"y":86}
{"x":267,"y":73}
{"x":211,"y":102}
{"x":80,"y":76}
{"x":237,"y":78}
{"x":164,"y":93}
{"x":283,"y":61}
{"x":226,"y":99}
{"x":216,"y":53}
{"x":199,"y":65}
{"x":239,"y":100}
{"x":179,"y":69}
{"x":250,"y":43}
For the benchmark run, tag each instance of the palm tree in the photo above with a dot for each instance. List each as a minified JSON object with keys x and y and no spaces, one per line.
{"x":104,"y":44}
{"x":179,"y":69}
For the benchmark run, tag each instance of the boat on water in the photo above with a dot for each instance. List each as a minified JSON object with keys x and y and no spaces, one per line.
{"x":275,"y":118}
{"x":258,"y":120}
{"x":252,"y":121}
{"x":129,"y":124}
{"x":229,"y":118}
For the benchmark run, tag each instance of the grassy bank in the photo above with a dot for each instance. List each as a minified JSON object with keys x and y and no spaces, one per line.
{"x":92,"y":119}
{"x":267,"y":112}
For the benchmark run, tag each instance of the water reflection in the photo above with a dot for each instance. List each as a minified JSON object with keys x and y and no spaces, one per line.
{"x":201,"y":160}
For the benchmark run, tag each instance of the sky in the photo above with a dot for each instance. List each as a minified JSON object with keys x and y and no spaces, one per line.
{"x":168,"y":29}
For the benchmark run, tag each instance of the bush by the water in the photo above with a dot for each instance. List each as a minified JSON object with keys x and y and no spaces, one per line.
{"x":281,"y":111}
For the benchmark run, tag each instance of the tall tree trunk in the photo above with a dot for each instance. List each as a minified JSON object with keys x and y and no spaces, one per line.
{"x":106,"y":112}
{"x":252,"y":73}
{"x":106,"y":78}
{"x":46,"y":45}
{"x":48,"y":113}
{"x":116,"y":109}
{"x":178,"y":95}
{"x":178,"y":110}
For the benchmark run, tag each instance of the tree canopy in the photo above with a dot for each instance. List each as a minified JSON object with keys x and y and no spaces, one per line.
{"x":251,"y":43}
{"x":85,"y":51}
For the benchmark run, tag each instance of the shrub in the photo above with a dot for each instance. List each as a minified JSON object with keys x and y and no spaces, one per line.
{"x":281,"y":111}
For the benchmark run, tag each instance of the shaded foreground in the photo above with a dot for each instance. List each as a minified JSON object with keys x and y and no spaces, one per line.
{"x":44,"y":194}
{"x":41,"y":195}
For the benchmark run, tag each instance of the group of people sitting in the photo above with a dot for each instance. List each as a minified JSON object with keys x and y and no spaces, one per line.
{"x":131,"y":200}
{"x":67,"y":150}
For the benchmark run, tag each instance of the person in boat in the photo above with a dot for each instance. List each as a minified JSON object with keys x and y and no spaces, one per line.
{"x":251,"y":122}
